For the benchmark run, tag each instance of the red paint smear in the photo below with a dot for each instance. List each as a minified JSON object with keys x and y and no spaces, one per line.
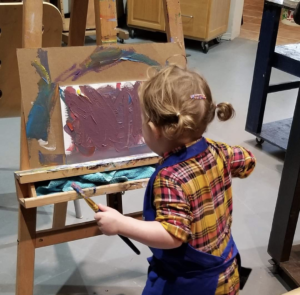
{"x":69,"y":124}
{"x":111,"y":118}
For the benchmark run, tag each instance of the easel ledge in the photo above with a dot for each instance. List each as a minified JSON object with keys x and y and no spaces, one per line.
{"x":31,"y":200}
{"x":64,"y":171}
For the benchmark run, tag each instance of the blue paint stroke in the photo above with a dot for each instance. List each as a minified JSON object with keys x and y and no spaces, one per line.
{"x":39,"y":116}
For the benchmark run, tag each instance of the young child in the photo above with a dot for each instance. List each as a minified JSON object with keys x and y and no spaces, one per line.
{"x":188,"y":202}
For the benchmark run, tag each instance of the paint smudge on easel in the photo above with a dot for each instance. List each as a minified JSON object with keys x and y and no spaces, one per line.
{"x":50,"y":159}
{"x":38,"y":123}
{"x":102,"y":121}
{"x":103,"y":58}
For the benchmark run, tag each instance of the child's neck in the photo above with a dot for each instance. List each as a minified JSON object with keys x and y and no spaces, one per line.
{"x":168,"y":146}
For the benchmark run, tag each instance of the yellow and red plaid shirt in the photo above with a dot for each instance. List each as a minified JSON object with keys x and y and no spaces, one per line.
{"x":193,"y":201}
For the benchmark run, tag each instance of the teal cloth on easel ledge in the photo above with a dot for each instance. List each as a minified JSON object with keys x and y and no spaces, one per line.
{"x":96,"y":179}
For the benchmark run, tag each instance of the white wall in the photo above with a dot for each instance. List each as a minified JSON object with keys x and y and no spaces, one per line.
{"x":235,"y":18}
{"x":66,"y":6}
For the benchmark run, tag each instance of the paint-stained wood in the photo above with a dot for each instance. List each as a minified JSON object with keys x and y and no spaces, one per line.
{"x":57,"y":172}
{"x":92,"y":64}
{"x":106,"y":21}
{"x":72,"y":232}
{"x":172,"y":12}
{"x":11,"y":39}
{"x":253,"y":10}
{"x":90,"y":192}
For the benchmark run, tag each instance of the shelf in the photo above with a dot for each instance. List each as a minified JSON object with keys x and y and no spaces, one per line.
{"x":291,"y":267}
{"x":64,"y":171}
{"x":56,"y":198}
{"x":276,"y":133}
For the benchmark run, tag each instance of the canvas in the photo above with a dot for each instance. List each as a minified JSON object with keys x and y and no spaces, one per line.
{"x":101,"y":121}
{"x":44,"y":72}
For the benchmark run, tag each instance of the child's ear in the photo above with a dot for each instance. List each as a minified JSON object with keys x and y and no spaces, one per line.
{"x":155,"y":130}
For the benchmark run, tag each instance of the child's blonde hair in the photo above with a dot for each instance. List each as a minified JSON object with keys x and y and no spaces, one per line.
{"x":167,"y":101}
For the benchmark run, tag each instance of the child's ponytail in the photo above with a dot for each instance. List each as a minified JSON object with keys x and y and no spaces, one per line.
{"x":225,"y":111}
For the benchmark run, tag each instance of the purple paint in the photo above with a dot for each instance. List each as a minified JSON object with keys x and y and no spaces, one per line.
{"x":104,"y":122}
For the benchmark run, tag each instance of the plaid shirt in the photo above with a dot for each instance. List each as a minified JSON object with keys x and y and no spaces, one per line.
{"x":193,"y":201}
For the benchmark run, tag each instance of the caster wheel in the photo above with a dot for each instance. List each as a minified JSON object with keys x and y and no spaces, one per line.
{"x":218,"y":40}
{"x":122,"y":41}
{"x":205,"y":47}
{"x":259,"y":141}
{"x":132,"y":34}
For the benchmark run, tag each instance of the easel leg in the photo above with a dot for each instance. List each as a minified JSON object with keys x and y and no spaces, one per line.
{"x":59,"y":215}
{"x":115,"y":201}
{"x":288,"y":202}
{"x":263,"y":68}
{"x":26,"y":251}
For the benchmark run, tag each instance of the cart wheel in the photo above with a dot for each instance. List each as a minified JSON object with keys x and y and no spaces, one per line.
{"x":218,"y":39}
{"x":122,"y":41}
{"x":274,"y":267}
{"x":205,"y":47}
{"x":259,"y":141}
{"x":132,"y":34}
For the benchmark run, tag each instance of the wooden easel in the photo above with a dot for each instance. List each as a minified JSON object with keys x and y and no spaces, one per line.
{"x":90,"y":22}
{"x":28,"y":237}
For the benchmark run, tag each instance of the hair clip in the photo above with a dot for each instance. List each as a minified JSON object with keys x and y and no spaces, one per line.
{"x":198,"y":96}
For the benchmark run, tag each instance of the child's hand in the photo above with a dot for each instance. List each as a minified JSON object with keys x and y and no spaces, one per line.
{"x":108,"y":220}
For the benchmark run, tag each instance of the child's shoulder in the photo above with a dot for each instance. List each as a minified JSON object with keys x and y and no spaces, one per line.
{"x":218,"y":147}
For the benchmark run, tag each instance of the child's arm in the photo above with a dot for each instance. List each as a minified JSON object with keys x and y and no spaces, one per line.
{"x":152,"y":233}
{"x":242,"y":162}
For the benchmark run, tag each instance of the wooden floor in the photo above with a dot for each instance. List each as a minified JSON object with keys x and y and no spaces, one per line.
{"x":253,"y":10}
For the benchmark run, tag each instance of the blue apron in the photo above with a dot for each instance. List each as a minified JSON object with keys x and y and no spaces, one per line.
{"x":184,"y":270}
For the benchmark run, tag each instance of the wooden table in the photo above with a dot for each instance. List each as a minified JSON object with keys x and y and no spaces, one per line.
{"x":284,"y":134}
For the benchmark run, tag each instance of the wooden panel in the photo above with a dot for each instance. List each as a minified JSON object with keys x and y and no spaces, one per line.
{"x":172,"y":12}
{"x":78,"y":22}
{"x":106,"y":21}
{"x":146,"y":14}
{"x":219,"y":17}
{"x":10,"y":40}
{"x":72,"y":233}
{"x":195,"y":17}
{"x":72,"y":195}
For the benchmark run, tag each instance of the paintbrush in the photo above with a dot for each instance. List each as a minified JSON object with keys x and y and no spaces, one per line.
{"x":96,"y":209}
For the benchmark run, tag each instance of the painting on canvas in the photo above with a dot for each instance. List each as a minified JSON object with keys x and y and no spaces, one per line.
{"x":101,"y":121}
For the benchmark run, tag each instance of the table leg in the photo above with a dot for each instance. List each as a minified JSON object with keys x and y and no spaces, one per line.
{"x":288,"y":202}
{"x":263,"y":67}
{"x":26,"y":251}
